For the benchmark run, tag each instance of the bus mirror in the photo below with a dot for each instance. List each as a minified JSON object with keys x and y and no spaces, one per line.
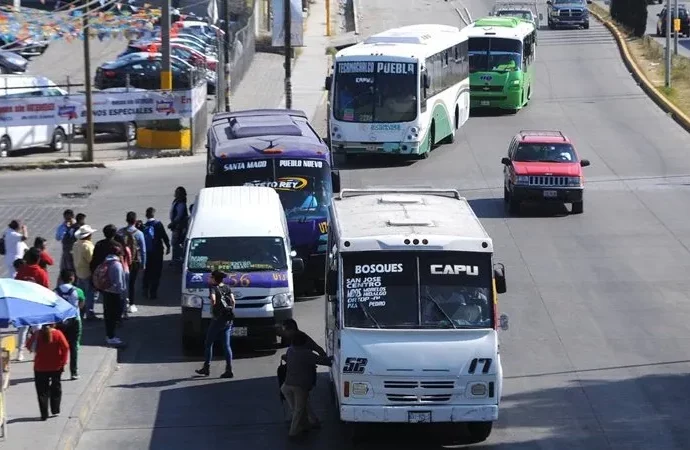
{"x":327,"y":84}
{"x":500,"y":278}
{"x":297,"y":265}
{"x":335,"y":181}
{"x":332,"y":283}
{"x":503,"y":322}
{"x":427,"y":81}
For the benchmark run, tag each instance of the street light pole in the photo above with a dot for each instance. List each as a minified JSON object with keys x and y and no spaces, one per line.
{"x":287,"y":29}
{"x":667,"y":74}
{"x":87,"y":85}
{"x":166,"y":72}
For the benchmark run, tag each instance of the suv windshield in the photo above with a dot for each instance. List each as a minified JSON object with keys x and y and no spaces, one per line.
{"x":494,"y":54}
{"x":375,"y":92}
{"x":418,"y":290}
{"x":568,"y":2}
{"x":545,"y":153}
{"x":236,"y":254}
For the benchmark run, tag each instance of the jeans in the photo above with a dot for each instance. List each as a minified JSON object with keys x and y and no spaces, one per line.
{"x":85,"y":285}
{"x":72,"y":330}
{"x":152,"y":273}
{"x":22,"y":332}
{"x":48,"y":391}
{"x":177,"y":244}
{"x":302,"y":415}
{"x":112,"y":311}
{"x":217,"y":328}
{"x":132,"y":280}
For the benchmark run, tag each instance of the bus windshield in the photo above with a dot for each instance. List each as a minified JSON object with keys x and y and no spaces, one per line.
{"x":446,"y":290}
{"x":236,"y":254}
{"x":375,"y":92}
{"x":494,"y":54}
{"x":304,"y":185}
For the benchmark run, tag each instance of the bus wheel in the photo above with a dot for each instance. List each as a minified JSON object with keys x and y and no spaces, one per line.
{"x":479,"y":431}
{"x":451,"y":137}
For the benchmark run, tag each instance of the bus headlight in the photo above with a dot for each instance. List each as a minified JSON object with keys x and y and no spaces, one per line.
{"x":478,"y":389}
{"x":516,"y":83}
{"x":360,"y":389}
{"x":192,"y":301}
{"x":282,"y":300}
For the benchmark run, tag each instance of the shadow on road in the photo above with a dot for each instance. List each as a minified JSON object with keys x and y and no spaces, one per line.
{"x":495,"y":208}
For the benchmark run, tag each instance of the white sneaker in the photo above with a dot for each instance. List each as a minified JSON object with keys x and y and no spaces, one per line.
{"x":113,"y":341}
{"x":20,"y":356}
{"x":132,"y":309}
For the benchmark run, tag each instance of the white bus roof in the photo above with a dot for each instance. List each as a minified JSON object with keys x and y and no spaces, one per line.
{"x":384,"y":219}
{"x":491,"y":27}
{"x":237,"y":211}
{"x":412,"y":42}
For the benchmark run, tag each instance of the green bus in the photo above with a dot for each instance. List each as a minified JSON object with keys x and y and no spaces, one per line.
{"x":501,"y":53}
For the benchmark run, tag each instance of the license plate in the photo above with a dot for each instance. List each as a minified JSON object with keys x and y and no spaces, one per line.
{"x":485,"y":103}
{"x":419,"y":416}
{"x":371,"y":148}
{"x":239,"y":331}
{"x":550,"y":194}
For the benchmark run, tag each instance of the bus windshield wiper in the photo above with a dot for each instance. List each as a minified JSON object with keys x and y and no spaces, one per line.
{"x":367,"y":314}
{"x":443,"y":311}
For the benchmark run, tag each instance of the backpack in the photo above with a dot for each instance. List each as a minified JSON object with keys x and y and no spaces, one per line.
{"x":101,"y":276}
{"x":133,"y":245}
{"x":223,"y":308}
{"x":66,"y":295}
{"x":2,"y":246}
{"x":150,"y":234}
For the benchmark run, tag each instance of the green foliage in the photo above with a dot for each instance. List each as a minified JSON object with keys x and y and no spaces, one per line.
{"x":632,"y":14}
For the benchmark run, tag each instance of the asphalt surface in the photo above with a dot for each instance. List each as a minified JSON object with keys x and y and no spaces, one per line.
{"x":597,"y":356}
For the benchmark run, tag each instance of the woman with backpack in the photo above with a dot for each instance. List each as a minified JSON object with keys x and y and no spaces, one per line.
{"x":71,"y":328}
{"x":222,"y":309}
{"x":126,"y":260}
{"x":109,"y":279}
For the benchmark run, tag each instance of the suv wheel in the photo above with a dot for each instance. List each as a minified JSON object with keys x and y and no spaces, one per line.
{"x":586,"y":26}
{"x":577,"y":208}
{"x":513,"y":206}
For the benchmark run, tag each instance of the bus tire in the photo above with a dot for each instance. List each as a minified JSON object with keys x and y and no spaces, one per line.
{"x":451,"y":137}
{"x":479,"y":431}
{"x":57,"y":143}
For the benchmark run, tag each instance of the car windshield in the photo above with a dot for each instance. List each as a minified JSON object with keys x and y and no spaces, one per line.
{"x":304,"y":185}
{"x":494,"y":54}
{"x":443,"y":290}
{"x":525,"y":15}
{"x":545,"y":153}
{"x":236,"y":254}
{"x":568,"y":2}
{"x":376,"y":92}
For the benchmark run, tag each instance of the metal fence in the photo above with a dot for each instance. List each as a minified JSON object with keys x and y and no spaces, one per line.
{"x":198,"y":124}
{"x":242,"y":53}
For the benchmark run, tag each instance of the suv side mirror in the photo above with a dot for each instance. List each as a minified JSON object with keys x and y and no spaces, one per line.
{"x":500,"y":278}
{"x":505,"y":161}
{"x":297,"y":265}
{"x":584,"y":162}
{"x":328,"y":82}
{"x":331,"y":283}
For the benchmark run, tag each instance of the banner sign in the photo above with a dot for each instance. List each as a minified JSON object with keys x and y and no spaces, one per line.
{"x":266,"y":280}
{"x":107,"y":107}
{"x":296,"y":23}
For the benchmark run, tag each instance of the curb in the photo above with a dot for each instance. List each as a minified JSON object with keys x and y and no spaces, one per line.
{"x":679,"y":116}
{"x":80,"y":414}
{"x":52,"y":166}
{"x":355,"y":13}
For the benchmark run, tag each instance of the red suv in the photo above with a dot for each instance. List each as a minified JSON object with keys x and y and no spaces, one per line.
{"x":542,"y":166}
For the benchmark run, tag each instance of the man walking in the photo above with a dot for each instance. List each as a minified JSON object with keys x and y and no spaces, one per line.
{"x":82,"y":254}
{"x":63,"y":235}
{"x":156,"y":238}
{"x":135,"y":242}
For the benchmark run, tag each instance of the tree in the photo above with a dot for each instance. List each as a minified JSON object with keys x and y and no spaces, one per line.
{"x":638,"y":19}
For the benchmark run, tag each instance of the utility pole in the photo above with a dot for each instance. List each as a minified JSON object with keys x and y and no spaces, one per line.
{"x":287,"y":29}
{"x":87,"y":84}
{"x":228,"y":54}
{"x":667,"y":74}
{"x":166,"y":71}
{"x":675,"y":31}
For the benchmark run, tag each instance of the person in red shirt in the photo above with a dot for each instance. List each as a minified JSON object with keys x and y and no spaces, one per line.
{"x":52,"y":353}
{"x":31,"y":271}
{"x":45,"y":259}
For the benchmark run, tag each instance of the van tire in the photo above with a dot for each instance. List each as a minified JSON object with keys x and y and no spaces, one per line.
{"x":479,"y":431}
{"x":5,"y":146}
{"x":577,"y":208}
{"x":57,"y":143}
{"x":130,"y":132}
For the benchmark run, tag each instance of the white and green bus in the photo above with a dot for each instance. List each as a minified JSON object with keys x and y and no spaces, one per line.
{"x":399,"y":92}
{"x":502,"y":52}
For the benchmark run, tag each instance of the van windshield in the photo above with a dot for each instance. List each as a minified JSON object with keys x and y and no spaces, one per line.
{"x":236,"y":254}
{"x":448,"y":290}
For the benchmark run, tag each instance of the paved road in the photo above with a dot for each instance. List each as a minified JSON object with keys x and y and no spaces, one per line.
{"x":597,"y":355}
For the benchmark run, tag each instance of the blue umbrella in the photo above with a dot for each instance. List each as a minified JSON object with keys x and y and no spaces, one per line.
{"x":23,"y":303}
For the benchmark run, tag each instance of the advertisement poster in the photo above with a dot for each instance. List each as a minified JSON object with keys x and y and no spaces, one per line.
{"x":296,"y":27}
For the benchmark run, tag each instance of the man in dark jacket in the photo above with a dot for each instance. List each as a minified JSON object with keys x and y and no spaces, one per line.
{"x":290,"y":329}
{"x":102,"y":247}
{"x":156,"y":238}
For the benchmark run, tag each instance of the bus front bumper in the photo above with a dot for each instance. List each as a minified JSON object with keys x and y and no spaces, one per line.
{"x":508,"y":99}
{"x":407,"y":414}
{"x":373,"y":148}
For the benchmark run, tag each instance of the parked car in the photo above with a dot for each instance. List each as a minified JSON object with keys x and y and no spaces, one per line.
{"x":24,"y":47}
{"x":144,"y":70}
{"x":177,"y":49}
{"x":12,"y":63}
{"x":542,"y":166}
{"x":682,"y":15}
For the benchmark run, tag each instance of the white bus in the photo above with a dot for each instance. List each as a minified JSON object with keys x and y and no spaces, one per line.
{"x":412,"y":313}
{"x":399,"y":92}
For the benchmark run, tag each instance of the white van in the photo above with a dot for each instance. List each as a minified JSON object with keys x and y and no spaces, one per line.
{"x":27,"y":136}
{"x":241,"y":230}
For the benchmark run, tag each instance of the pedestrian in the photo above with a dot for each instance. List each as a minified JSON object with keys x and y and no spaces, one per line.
{"x":82,"y":254}
{"x":30,"y":271}
{"x":14,"y":243}
{"x":45,"y":260}
{"x":71,"y":328}
{"x":51,"y":357}
{"x":179,"y":217}
{"x":135,"y":242}
{"x":301,"y":363}
{"x":64,"y":234}
{"x":102,"y":247}
{"x":222,"y":310}
{"x":109,"y":279}
{"x":156,"y":238}
{"x":289,"y":330}
{"x":126,"y":260}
